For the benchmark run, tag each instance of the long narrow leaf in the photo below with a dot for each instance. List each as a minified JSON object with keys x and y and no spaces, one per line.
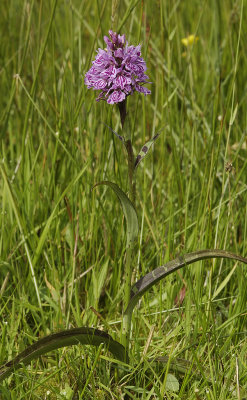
{"x":128,"y":210}
{"x":115,"y":133}
{"x":147,"y":281}
{"x":69,"y":337}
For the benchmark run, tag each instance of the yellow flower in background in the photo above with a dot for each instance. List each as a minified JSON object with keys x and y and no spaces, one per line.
{"x":189,"y":40}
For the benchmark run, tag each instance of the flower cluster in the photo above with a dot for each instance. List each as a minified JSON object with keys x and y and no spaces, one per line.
{"x":117,"y":71}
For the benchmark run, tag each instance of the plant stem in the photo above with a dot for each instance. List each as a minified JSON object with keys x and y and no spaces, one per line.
{"x":129,"y":149}
{"x":131,"y":167}
{"x":123,"y":114}
{"x":126,"y":324}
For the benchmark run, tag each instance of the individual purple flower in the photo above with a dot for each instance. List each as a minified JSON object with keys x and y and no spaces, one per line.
{"x":116,"y":97}
{"x":118,"y":71}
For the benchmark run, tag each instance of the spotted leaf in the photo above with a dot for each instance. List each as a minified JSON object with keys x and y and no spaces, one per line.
{"x":147,"y":281}
{"x":69,"y":337}
{"x":145,"y":149}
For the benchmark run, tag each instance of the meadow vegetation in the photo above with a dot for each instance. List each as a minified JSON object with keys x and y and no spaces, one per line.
{"x":62,"y":244}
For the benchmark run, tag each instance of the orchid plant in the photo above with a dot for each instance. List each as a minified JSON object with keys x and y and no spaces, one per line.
{"x":118,"y":72}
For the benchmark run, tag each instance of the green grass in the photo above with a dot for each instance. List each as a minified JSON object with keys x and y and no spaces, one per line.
{"x":62,"y":244}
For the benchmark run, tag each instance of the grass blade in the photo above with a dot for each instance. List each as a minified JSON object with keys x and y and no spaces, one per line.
{"x":129,"y":10}
{"x":50,"y":219}
{"x":21,"y":228}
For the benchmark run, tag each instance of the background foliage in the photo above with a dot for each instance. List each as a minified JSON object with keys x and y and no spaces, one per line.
{"x":54,"y":148}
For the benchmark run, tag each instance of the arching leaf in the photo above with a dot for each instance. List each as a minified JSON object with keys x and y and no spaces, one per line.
{"x":69,"y":337}
{"x":147,"y":281}
{"x":128,"y":210}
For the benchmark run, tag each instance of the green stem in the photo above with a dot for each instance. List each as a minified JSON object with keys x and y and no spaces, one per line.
{"x":129,"y":148}
{"x":126,"y":324}
{"x":129,"y":250}
{"x":131,"y":167}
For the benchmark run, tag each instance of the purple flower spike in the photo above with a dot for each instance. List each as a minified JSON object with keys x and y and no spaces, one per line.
{"x":118,"y":71}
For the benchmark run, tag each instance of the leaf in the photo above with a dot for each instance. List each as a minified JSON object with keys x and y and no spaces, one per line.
{"x":145,"y":149}
{"x":180,"y":297}
{"x":67,"y":392}
{"x":147,"y":281}
{"x":224,"y":283}
{"x":177,"y":364}
{"x":5,"y":393}
{"x":54,"y":293}
{"x":128,"y":210}
{"x":83,"y":335}
{"x":118,"y":136}
{"x":98,"y":281}
{"x":172,"y":383}
{"x":233,"y":116}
